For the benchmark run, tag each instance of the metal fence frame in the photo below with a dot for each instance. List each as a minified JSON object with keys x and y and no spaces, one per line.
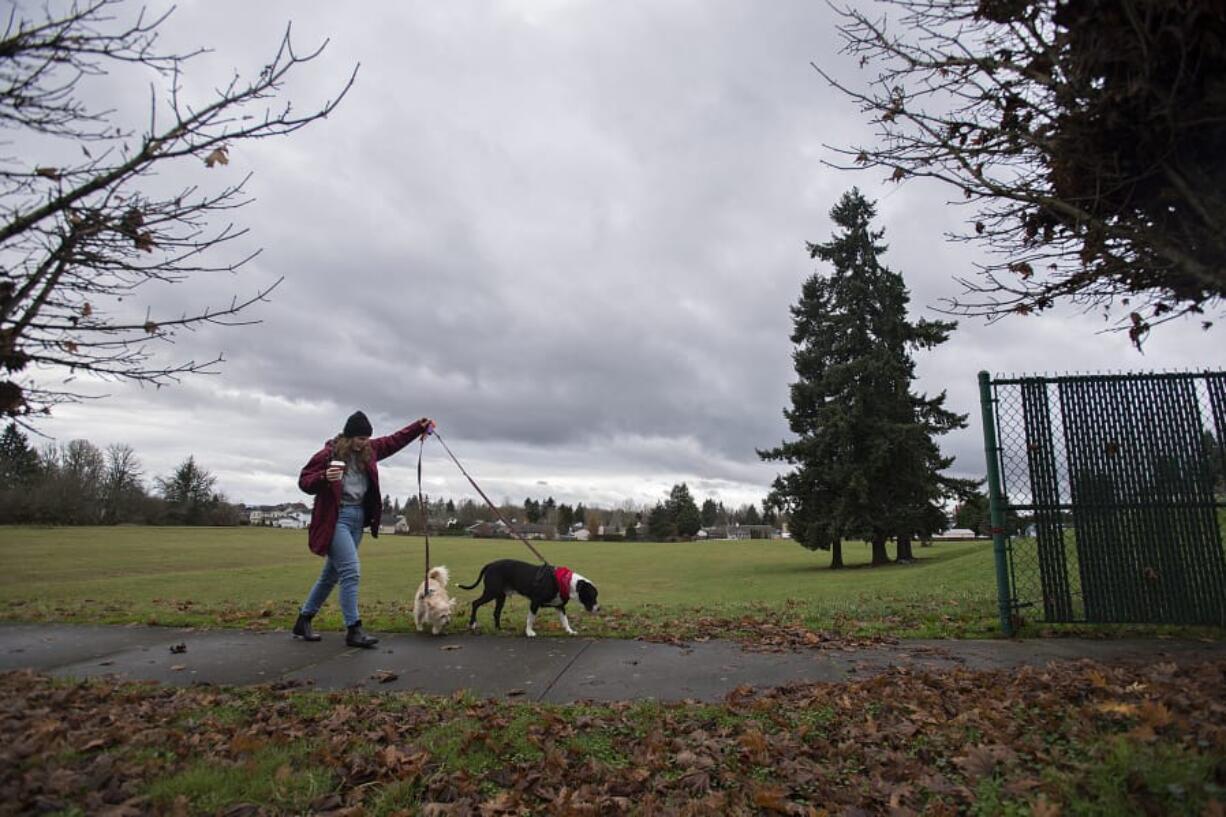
{"x":1114,"y":471}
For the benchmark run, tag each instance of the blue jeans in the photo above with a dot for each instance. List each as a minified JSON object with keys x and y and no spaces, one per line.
{"x":341,"y":565}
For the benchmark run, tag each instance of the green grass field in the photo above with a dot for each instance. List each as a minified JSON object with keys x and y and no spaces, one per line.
{"x":1074,"y":739}
{"x":256,"y":577}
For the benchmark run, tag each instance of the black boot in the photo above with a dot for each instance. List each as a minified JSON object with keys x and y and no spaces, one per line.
{"x":302,"y":628}
{"x":354,"y":637}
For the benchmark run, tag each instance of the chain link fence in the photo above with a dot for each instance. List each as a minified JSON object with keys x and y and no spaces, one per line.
{"x":1108,"y":497}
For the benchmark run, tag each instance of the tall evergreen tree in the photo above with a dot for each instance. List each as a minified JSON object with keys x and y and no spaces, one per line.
{"x":18,"y":461}
{"x":866,"y":463}
{"x":973,"y":514}
{"x":532,"y":509}
{"x":682,"y":510}
{"x":660,"y":525}
{"x":709,"y":513}
{"x":566,"y":517}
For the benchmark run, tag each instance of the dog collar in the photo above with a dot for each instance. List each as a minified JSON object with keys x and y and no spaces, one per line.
{"x":563,"y":575}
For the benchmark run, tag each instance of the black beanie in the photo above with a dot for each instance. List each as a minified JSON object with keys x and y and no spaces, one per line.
{"x":357,"y":426}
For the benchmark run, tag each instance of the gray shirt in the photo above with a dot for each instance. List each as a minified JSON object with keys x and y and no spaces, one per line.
{"x":353,"y":484}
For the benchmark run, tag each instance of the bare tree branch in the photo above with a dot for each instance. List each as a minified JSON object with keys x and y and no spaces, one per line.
{"x":76,"y":240}
{"x":1085,"y":136}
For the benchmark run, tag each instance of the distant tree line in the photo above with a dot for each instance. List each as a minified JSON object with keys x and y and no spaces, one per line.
{"x":677,"y":516}
{"x":77,"y":483}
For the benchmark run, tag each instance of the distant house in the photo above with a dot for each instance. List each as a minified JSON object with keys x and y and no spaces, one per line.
{"x":616,"y":524}
{"x":499,"y":530}
{"x":487,"y":530}
{"x":739,"y":532}
{"x":411,"y":524}
{"x":293,"y":520}
{"x":956,"y":533}
{"x":273,"y":515}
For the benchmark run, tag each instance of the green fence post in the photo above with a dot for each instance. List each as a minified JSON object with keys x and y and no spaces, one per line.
{"x":996,"y":504}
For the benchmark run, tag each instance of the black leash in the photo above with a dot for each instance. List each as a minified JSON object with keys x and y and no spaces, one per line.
{"x":425,"y":518}
{"x":493,"y":507}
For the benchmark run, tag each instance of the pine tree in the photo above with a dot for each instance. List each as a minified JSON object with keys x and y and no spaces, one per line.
{"x":660,"y":525}
{"x":532,"y":509}
{"x":865,"y":460}
{"x":973,"y":514}
{"x":566,"y":516}
{"x":682,"y":511}
{"x":18,"y":461}
{"x":188,"y":493}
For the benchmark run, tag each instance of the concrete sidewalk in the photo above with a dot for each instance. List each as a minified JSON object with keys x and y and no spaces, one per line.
{"x":552,"y":669}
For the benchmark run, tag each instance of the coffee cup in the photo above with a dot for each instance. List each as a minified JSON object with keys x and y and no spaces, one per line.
{"x":337,"y":464}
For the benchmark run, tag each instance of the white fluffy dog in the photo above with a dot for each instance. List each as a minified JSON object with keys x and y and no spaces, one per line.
{"x":437,"y":607}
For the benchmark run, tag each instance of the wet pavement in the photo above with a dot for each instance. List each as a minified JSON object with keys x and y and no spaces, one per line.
{"x":551,"y":669}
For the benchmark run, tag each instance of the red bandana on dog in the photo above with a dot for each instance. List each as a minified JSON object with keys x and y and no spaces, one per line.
{"x":563,"y":574}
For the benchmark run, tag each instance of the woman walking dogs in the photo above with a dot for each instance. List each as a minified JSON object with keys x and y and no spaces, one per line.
{"x":344,"y":477}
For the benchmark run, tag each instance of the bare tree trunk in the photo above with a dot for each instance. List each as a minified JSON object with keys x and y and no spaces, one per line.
{"x":880,"y":557}
{"x":836,"y":553}
{"x":905,"y":556}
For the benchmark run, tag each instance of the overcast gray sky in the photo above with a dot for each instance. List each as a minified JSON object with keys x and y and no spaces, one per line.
{"x":568,"y":231}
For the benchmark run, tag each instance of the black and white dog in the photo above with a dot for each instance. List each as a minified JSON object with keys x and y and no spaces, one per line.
{"x":542,"y":585}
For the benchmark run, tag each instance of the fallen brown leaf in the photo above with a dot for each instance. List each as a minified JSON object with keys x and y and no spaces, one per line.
{"x":1042,"y":807}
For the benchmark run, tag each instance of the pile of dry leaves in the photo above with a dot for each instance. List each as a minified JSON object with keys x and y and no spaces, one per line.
{"x":759,"y":635}
{"x":900,"y":743}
